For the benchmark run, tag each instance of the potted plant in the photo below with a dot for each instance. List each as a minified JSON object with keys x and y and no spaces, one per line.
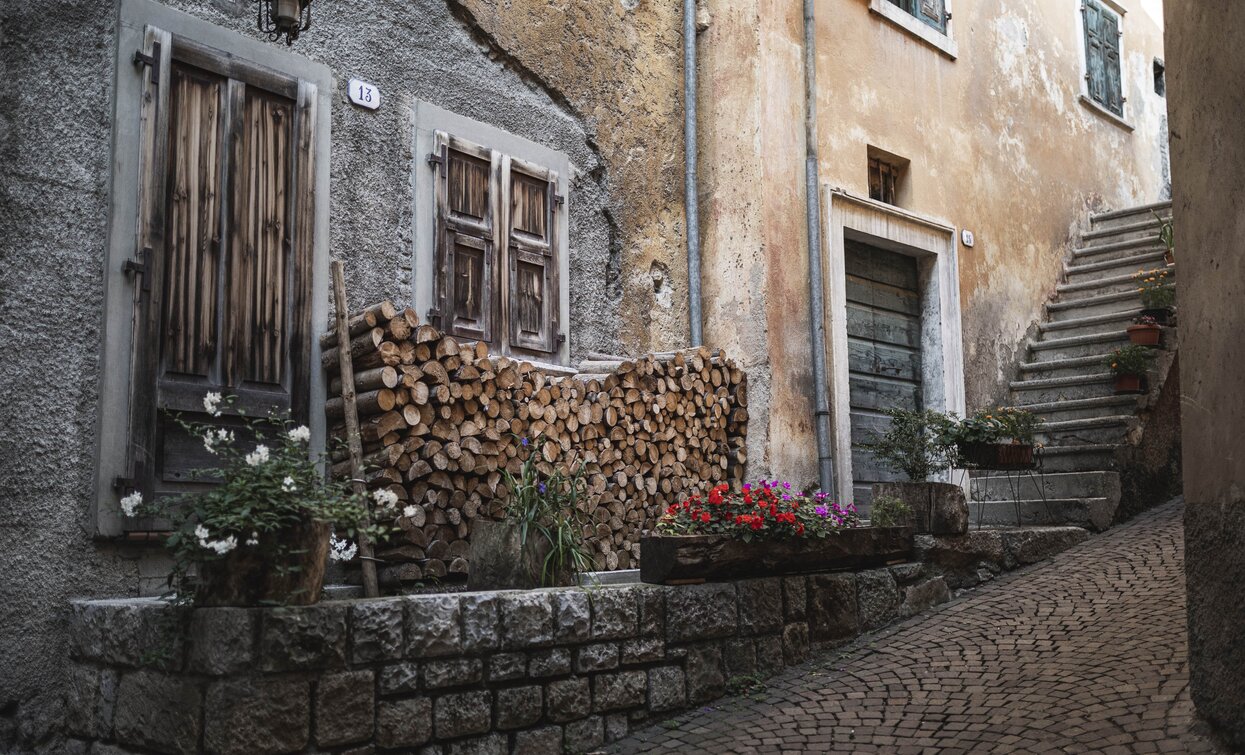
{"x":918,"y":446}
{"x":1167,"y":235}
{"x":1129,"y":364}
{"x":1144,"y":331}
{"x":889,"y":511}
{"x":996,"y":438}
{"x":262,"y":535}
{"x":764,"y":529}
{"x":539,"y":543}
{"x":1158,"y":294}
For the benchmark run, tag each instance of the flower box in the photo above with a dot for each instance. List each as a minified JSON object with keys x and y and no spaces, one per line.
{"x":676,"y":559}
{"x":1144,"y":335}
{"x":997,"y":455}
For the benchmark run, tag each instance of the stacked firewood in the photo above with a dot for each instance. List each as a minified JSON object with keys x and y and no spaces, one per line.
{"x":441,"y":419}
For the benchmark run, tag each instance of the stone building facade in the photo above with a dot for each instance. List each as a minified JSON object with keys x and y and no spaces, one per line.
{"x":983,"y":119}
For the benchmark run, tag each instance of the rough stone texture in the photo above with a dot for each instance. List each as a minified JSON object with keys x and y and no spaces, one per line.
{"x":599,"y":657}
{"x":397,"y":678}
{"x":643,"y":650}
{"x":760,"y":605}
{"x":517,"y":707}
{"x":794,"y":644}
{"x":1030,"y":546}
{"x":700,"y":612}
{"x":706,"y":678}
{"x":652,"y":612}
{"x":667,"y":688}
{"x":624,"y":689}
{"x":538,"y":741}
{"x":462,"y":713}
{"x":222,"y":640}
{"x":377,"y":631}
{"x":924,"y":595}
{"x":506,"y":666}
{"x":772,"y":651}
{"x":550,"y":663}
{"x":568,"y":699}
{"x":1098,"y":632}
{"x":584,"y":735}
{"x":493,"y":744}
{"x":527,"y":619}
{"x":832,"y":613}
{"x":139,"y":633}
{"x":158,"y":711}
{"x":345,"y":707}
{"x":938,"y":508}
{"x":403,"y":723}
{"x":311,"y":638}
{"x":455,"y":672}
{"x":573,"y":616}
{"x":244,"y":716}
{"x":90,"y":700}
{"x":615,"y":614}
{"x":616,"y":727}
{"x":432,"y":625}
{"x":877,"y":598}
{"x":1203,"y":49}
{"x":479,"y":615}
{"x":794,"y":598}
{"x":740,"y":657}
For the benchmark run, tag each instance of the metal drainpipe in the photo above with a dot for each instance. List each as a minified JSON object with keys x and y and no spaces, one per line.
{"x":691,"y":198}
{"x":816,"y":289}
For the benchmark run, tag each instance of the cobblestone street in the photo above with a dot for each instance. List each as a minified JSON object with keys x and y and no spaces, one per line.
{"x":1086,"y":653}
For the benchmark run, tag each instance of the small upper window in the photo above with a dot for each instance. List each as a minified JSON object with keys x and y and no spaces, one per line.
{"x":887,"y":174}
{"x":1160,"y":78}
{"x":931,"y":12}
{"x":1102,"y":55}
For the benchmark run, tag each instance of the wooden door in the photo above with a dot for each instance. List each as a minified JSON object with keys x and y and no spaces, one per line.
{"x":884,"y":350}
{"x":226,"y":308}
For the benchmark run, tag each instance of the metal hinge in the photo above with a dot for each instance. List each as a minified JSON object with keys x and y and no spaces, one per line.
{"x":143,"y":59}
{"x":436,"y":160}
{"x":561,"y":338}
{"x":559,"y":200}
{"x":139,"y":267}
{"x":434,"y":316}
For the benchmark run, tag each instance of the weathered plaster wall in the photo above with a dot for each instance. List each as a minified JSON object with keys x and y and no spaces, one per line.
{"x":998,"y":140}
{"x":502,"y":65}
{"x":1204,"y":42}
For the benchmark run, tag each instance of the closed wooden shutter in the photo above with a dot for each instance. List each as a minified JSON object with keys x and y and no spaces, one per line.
{"x":532,"y":248}
{"x":466,"y":239}
{"x":226,"y":226}
{"x":1109,"y":26}
{"x":933,"y":12}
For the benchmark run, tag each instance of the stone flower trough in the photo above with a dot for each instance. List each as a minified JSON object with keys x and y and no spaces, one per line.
{"x":683,"y":559}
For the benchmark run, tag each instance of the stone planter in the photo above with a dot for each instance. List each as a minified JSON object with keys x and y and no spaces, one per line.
{"x":251,"y":577}
{"x":938,"y":508}
{"x":500,"y":561}
{"x":681,"y":559}
{"x":997,"y":455}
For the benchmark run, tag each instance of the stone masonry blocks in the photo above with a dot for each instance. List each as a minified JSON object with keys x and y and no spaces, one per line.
{"x":700,"y":612}
{"x":345,"y":705}
{"x":832,"y":612}
{"x":253,"y":715}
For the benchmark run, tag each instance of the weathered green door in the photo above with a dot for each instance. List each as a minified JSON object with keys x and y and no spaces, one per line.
{"x":884,"y":350}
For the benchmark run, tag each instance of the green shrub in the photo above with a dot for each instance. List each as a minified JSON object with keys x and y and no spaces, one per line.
{"x":1157,"y":292}
{"x":1129,"y":360}
{"x":915,"y":444}
{"x":889,"y":511}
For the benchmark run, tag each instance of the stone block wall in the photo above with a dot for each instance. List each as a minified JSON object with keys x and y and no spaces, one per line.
{"x":486,"y":672}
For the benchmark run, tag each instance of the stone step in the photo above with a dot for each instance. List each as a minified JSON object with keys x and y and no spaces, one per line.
{"x":1073,"y":387}
{"x":1093,"y":513}
{"x":1071,"y":309}
{"x":1108,"y":429}
{"x":1077,"y":346}
{"x":1133,"y":228}
{"x":1063,"y":368}
{"x":1109,"y":285}
{"x":1078,"y":457}
{"x":1100,"y":269}
{"x":997,"y":487}
{"x":1083,"y":408}
{"x":1130,"y":214}
{"x":1091,"y":324}
{"x":1115,"y":249}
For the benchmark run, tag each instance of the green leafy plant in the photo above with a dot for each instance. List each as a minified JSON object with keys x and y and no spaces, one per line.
{"x":1157,"y":292}
{"x":889,"y":511}
{"x":1129,"y":360}
{"x":999,"y":424}
{"x":769,"y":509}
{"x":1167,"y":233}
{"x":546,"y":505}
{"x":269,"y":487}
{"x":916,"y":443}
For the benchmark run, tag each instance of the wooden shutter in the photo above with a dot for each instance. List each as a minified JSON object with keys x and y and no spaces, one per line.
{"x":227,"y":210}
{"x":1095,"y":72}
{"x":532,"y":256}
{"x":466,"y":242}
{"x":1109,"y":26}
{"x":933,"y":12}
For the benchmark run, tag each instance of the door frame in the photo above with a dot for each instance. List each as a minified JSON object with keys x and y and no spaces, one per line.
{"x":934,"y":245}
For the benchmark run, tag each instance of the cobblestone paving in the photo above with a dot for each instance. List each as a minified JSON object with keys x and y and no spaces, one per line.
{"x":1085,"y":653}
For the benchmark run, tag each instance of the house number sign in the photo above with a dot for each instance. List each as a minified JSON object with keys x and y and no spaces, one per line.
{"x":364,"y":94}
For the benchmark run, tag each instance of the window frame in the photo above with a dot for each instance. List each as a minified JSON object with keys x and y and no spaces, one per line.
{"x":944,"y":42}
{"x":515,"y":152}
{"x":1120,"y":119}
{"x":139,"y":23}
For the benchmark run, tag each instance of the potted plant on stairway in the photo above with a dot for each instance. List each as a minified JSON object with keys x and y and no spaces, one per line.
{"x":263,"y":533}
{"x":1144,"y":331}
{"x":996,"y":438}
{"x":1158,"y":294}
{"x":1167,"y":235}
{"x":539,"y":543}
{"x":919,"y":445}
{"x":1128,"y":365}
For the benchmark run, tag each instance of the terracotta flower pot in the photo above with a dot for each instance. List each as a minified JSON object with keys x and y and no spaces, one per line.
{"x":1161,"y":315}
{"x":250,"y":576}
{"x":1144,"y":335}
{"x":1128,"y":384}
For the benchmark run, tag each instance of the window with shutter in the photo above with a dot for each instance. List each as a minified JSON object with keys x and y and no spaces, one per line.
{"x":1102,"y":56}
{"x":497,"y":251}
{"x":224,"y":242}
{"x":930,"y":12}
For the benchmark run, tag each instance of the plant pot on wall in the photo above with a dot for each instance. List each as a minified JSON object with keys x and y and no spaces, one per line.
{"x":500,"y":560}
{"x":256,"y":576}
{"x":997,"y":455}
{"x":1128,"y":384}
{"x":1161,"y":315}
{"x":938,"y":508}
{"x":1144,"y":335}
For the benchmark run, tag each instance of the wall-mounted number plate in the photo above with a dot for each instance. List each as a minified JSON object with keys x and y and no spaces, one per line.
{"x":364,"y":94}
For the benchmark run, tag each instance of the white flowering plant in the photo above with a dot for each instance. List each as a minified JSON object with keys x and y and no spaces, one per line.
{"x":271,"y":487}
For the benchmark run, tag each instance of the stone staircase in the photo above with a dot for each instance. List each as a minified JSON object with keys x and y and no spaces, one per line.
{"x":1086,"y":429}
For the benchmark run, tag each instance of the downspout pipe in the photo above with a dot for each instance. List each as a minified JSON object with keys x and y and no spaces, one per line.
{"x":691,"y":196}
{"x":816,"y":285}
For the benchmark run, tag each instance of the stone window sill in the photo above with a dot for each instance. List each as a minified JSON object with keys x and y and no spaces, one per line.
{"x":914,"y":26}
{"x":1103,"y":112}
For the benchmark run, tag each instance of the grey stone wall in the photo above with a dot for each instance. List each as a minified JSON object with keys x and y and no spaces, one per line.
{"x":490,"y":672}
{"x":55,"y":131}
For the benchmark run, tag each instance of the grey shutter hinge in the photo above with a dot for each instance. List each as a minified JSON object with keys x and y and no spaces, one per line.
{"x":435,"y":160}
{"x":561,"y":338}
{"x":139,"y":267}
{"x":143,"y":59}
{"x":434,"y":316}
{"x":559,"y":200}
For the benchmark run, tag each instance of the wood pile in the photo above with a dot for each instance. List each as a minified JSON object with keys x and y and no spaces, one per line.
{"x":440,"y":419}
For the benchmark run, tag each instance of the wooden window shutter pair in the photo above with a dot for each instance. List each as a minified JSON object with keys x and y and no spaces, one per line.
{"x":931,"y":12}
{"x":497,"y":247}
{"x":224,"y":249}
{"x":1102,"y":56}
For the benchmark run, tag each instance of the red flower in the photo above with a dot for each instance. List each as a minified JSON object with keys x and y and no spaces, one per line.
{"x":704,"y":517}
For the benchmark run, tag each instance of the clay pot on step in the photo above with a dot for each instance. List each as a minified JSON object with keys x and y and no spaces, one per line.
{"x":1126,"y":384}
{"x":1144,"y":335}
